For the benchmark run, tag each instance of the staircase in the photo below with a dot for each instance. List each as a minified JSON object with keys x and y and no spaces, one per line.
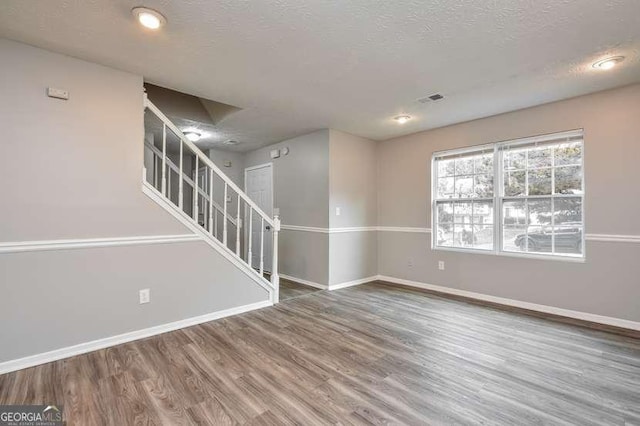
{"x":184,"y":181}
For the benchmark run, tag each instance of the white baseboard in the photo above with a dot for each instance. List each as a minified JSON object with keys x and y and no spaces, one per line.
{"x":352,"y":283}
{"x":600,"y":319}
{"x":332,"y":286}
{"x":57,"y":354}
{"x":304,"y":282}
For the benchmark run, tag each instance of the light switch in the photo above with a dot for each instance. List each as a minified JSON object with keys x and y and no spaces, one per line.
{"x":337,"y":211}
{"x":145,"y":296}
{"x":52,"y":92}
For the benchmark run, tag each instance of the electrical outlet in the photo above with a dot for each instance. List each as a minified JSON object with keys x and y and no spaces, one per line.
{"x":145,"y":296}
{"x":410,"y":263}
{"x":441,"y":265}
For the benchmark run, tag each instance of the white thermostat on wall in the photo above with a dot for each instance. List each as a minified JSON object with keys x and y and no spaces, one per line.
{"x":52,"y":92}
{"x":275,"y":153}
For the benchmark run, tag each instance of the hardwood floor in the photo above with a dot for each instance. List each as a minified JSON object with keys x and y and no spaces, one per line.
{"x":368,"y":354}
{"x":289,"y":289}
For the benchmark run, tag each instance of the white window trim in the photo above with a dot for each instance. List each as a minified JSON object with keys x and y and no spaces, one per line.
{"x":499,"y":197}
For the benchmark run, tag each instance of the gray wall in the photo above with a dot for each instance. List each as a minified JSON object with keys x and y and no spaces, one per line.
{"x":352,"y":181}
{"x":55,"y":299}
{"x":352,"y":188}
{"x":606,"y":284}
{"x":301,"y":191}
{"x":72,"y":170}
{"x":325,"y":170}
{"x":300,"y":179}
{"x":236,"y":171}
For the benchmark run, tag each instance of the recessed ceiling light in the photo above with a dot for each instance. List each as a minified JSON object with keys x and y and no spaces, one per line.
{"x":149,"y":18}
{"x":193,"y":136}
{"x":402,"y":118}
{"x":608,"y":63}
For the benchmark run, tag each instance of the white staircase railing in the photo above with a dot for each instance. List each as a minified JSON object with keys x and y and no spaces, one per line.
{"x":218,"y":207}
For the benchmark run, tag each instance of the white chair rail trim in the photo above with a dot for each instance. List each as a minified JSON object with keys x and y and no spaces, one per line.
{"x":352,"y":229}
{"x":404,"y":229}
{"x":612,"y":238}
{"x":94,"y":345}
{"x":84,"y":243}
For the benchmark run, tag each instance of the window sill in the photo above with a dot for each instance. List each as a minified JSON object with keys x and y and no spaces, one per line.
{"x":538,"y":256}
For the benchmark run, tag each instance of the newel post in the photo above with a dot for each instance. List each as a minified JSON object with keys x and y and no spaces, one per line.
{"x":275,"y":278}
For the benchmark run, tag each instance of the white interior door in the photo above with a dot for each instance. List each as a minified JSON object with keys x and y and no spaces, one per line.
{"x":258,"y":184}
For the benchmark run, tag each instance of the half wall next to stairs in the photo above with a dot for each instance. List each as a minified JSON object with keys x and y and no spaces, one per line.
{"x":324,"y":171}
{"x":71,"y":170}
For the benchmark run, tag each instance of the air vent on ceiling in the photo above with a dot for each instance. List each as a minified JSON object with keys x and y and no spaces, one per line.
{"x":431,"y":98}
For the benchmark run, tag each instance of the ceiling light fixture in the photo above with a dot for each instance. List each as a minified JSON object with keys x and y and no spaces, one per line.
{"x":608,"y":63}
{"x":149,"y":18}
{"x":192,"y":135}
{"x":401,"y":119}
{"x":231,"y":142}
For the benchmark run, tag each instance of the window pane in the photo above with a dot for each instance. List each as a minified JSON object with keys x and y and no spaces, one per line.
{"x":462,"y":235}
{"x":464,"y":187}
{"x":515,"y":159}
{"x":445,"y":187}
{"x":484,"y":186}
{"x":568,"y":180}
{"x":445,"y":168}
{"x":514,"y":238}
{"x":462,"y":212}
{"x":568,"y":238}
{"x":483,"y":237}
{"x":514,"y":183}
{"x":482,"y":212}
{"x":464,"y":166}
{"x":567,"y":210}
{"x":539,"y":238}
{"x":514,"y":219}
{"x":539,"y":157}
{"x":539,"y":231}
{"x":445,"y":213}
{"x":444,"y":236}
{"x":568,"y":153}
{"x":540,"y":182}
{"x":484,"y":164}
{"x":514,"y":213}
{"x":539,"y":212}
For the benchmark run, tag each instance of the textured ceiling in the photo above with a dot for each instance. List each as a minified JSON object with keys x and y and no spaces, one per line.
{"x":294,"y":66}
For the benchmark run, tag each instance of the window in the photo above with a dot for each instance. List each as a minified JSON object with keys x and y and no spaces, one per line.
{"x":523,"y":196}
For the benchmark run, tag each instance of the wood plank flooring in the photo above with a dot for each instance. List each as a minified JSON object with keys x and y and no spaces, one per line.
{"x":372,"y":354}
{"x":289,"y":289}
